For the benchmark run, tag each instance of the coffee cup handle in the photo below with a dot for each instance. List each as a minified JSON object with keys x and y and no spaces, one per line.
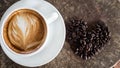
{"x":52,"y":17}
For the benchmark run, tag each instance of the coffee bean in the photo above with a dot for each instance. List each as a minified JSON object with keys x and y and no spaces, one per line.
{"x":85,"y":42}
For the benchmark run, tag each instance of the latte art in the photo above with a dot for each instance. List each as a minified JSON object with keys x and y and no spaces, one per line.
{"x":25,"y":31}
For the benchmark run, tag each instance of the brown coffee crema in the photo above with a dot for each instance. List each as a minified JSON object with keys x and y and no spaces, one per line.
{"x":24,"y":31}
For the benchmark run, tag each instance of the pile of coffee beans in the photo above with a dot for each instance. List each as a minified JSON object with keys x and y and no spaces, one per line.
{"x":85,"y":40}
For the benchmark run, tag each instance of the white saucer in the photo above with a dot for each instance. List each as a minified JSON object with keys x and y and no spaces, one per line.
{"x":55,"y":43}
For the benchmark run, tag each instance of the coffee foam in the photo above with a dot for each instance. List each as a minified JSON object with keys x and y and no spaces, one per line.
{"x":25,"y":30}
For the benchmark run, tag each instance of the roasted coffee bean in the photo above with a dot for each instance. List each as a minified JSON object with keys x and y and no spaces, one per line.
{"x":74,"y":35}
{"x":85,"y":42}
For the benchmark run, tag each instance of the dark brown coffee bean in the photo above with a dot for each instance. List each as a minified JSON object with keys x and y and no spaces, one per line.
{"x":86,"y":43}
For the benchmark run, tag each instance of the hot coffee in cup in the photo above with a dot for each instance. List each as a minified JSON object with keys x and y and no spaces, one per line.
{"x":24,"y":31}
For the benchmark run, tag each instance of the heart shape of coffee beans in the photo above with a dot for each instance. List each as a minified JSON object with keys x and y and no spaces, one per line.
{"x":85,"y":40}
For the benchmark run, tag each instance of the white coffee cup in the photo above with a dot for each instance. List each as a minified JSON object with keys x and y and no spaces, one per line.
{"x":49,"y":17}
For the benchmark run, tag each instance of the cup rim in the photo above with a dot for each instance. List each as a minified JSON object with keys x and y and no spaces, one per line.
{"x":37,"y":50}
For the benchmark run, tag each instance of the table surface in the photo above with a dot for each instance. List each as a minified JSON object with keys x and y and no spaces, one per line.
{"x":89,"y":10}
